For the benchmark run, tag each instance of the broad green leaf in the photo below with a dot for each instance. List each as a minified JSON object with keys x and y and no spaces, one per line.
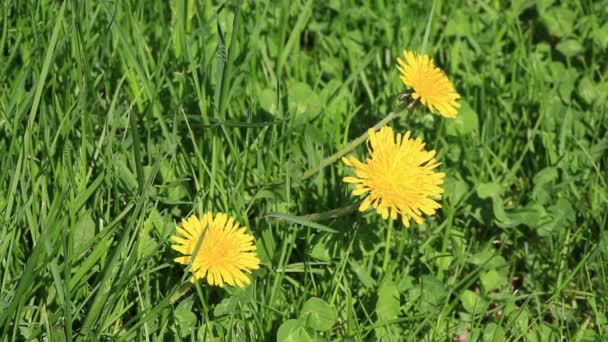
{"x":560,"y":216}
{"x":185,"y":318}
{"x":521,"y":320}
{"x":564,"y":79}
{"x":295,"y":330}
{"x":587,"y":89}
{"x":482,"y":257}
{"x":84,"y":230}
{"x":493,"y":332}
{"x":531,"y":215}
{"x":542,"y":191}
{"x":362,"y":274}
{"x":268,"y":100}
{"x":570,"y":47}
{"x":466,"y":122}
{"x":406,"y":283}
{"x":320,"y":251}
{"x":545,"y":332}
{"x":489,"y":190}
{"x":428,"y":293}
{"x":518,"y":6}
{"x":237,"y":301}
{"x":388,"y":304}
{"x":226,"y":307}
{"x":304,"y":103}
{"x":459,"y":24}
{"x":455,"y":189}
{"x":318,"y":314}
{"x":559,"y":21}
{"x":388,"y":307}
{"x":494,"y":279}
{"x":600,"y":36}
{"x":473,"y":303}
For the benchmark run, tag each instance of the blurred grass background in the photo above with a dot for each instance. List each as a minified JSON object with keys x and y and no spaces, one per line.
{"x":120,"y":118}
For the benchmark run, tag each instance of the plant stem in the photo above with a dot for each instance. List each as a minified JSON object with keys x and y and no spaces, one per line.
{"x":326,"y":215}
{"x":387,"y":245}
{"x":322,"y":216}
{"x":180,"y":293}
{"x":354,"y":143}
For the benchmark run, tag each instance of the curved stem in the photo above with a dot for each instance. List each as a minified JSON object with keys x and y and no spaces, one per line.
{"x":322,"y":216}
{"x":354,"y":143}
{"x":332,"y":213}
{"x":180,"y":293}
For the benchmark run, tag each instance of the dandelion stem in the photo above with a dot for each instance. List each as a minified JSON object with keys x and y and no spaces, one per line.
{"x":322,"y":216}
{"x":180,"y":293}
{"x":387,"y":245}
{"x":326,"y":215}
{"x":354,"y":143}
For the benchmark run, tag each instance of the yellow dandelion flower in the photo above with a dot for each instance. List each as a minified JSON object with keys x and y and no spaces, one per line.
{"x":226,"y":253}
{"x":430,"y":83}
{"x":398,"y":177}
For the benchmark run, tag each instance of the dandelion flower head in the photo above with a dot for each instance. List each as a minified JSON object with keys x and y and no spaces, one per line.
{"x":430,"y":84}
{"x":398,"y":178}
{"x":225,"y":254}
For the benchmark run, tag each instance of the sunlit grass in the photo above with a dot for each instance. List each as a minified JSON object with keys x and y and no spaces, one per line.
{"x":118,"y":120}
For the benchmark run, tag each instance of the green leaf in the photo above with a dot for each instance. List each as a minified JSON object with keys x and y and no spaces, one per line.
{"x":600,"y":36}
{"x":238,"y":301}
{"x":466,"y":122}
{"x":388,"y":304}
{"x":84,"y":230}
{"x":564,"y":79}
{"x":455,"y":189}
{"x":320,"y":251}
{"x":406,"y":283}
{"x":531,"y":215}
{"x":493,"y":332}
{"x":266,"y":245}
{"x":185,"y":318}
{"x":518,"y":6}
{"x":318,"y":314}
{"x":226,"y":307}
{"x":489,"y":190}
{"x":603,"y":244}
{"x":428,"y":293}
{"x":587,"y":89}
{"x":304,"y":103}
{"x":558,"y":21}
{"x":488,"y":259}
{"x":388,"y":307}
{"x":493,"y":279}
{"x":542,"y":191}
{"x":459,"y":24}
{"x":570,"y":47}
{"x":560,"y":216}
{"x":520,"y":319}
{"x":268,"y":100}
{"x":473,"y":303}
{"x":124,"y":172}
{"x":362,"y":274}
{"x":546,"y":333}
{"x":295,"y":330}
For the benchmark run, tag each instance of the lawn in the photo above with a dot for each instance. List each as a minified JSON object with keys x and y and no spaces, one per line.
{"x":120,"y":119}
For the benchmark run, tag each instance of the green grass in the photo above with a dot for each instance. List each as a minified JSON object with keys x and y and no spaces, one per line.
{"x":118,"y":119}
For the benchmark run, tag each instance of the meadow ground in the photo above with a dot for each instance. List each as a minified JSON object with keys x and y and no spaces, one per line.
{"x":118,"y":119}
